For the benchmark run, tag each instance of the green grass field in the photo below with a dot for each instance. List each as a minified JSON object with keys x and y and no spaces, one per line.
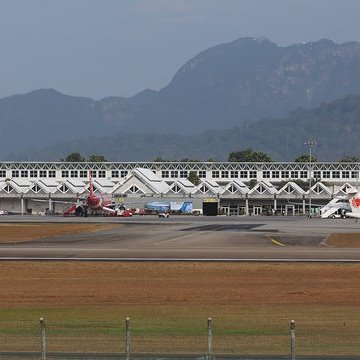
{"x":247,"y":330}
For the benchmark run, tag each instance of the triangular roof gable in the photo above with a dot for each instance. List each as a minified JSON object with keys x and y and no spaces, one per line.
{"x":74,"y":186}
{"x":296,"y":189}
{"x":236,"y":187}
{"x":211,"y":187}
{"x":45,"y":188}
{"x":315,"y":189}
{"x":38,"y":189}
{"x":125,"y":186}
{"x":8,"y":185}
{"x":19,"y":185}
{"x":263,"y":187}
{"x":346,"y":189}
{"x":186,"y":187}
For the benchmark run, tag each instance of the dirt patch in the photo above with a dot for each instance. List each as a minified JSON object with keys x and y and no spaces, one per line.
{"x":209,"y":284}
{"x":10,"y":232}
{"x":351,"y":240}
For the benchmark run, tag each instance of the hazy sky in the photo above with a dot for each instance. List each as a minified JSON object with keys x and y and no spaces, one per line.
{"x":99,"y":48}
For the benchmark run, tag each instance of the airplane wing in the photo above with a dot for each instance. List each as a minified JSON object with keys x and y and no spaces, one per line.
{"x":109,"y":209}
{"x":54,"y":201}
{"x":306,"y":203}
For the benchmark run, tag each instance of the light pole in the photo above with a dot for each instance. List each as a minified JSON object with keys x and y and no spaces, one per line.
{"x":311,"y":144}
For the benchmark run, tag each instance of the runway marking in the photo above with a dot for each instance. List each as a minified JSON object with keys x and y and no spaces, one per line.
{"x":278,"y":243}
{"x":177,"y":238}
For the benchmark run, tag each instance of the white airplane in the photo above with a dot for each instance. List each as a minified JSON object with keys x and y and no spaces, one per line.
{"x":354,"y":201}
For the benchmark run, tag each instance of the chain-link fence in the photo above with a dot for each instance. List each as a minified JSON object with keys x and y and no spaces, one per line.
{"x":146,"y":338}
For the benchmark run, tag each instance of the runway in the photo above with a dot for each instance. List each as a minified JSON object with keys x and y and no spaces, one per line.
{"x":188,"y":238}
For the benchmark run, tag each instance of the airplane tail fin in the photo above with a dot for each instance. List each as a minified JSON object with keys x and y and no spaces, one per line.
{"x":355,"y":203}
{"x":91,"y":185}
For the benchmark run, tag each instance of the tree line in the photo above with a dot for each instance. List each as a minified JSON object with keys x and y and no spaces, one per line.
{"x":247,"y":155}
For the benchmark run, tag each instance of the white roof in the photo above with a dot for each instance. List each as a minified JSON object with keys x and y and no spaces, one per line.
{"x":22,"y":183}
{"x":157,"y":184}
{"x":104,"y":183}
{"x":49,"y":182}
{"x":75,"y":183}
{"x":185,"y":183}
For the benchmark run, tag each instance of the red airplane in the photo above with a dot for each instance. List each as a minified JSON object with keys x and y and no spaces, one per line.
{"x":94,"y":203}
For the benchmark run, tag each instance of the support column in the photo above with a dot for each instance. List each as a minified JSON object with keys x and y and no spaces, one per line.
{"x":246,"y":204}
{"x":50,"y":204}
{"x":304,"y":205}
{"x":275,"y":204}
{"x":22,"y":204}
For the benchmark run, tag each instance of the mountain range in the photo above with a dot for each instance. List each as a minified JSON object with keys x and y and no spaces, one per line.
{"x":246,"y":93}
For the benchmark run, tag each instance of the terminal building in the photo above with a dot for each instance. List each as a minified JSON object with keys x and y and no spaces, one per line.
{"x":235,"y":188}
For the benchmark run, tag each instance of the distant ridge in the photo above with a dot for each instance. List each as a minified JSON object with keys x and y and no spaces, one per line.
{"x":335,"y":127}
{"x":228,"y":85}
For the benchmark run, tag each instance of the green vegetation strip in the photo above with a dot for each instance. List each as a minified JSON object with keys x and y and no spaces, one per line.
{"x":245,"y":330}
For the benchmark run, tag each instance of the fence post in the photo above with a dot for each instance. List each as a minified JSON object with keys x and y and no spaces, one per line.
{"x":293,"y":338}
{"x":127,"y":338}
{"x":209,"y":334}
{"x":43,"y":339}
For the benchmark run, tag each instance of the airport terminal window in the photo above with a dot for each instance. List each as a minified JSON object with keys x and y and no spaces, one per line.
{"x":174,"y":174}
{"x":175,"y":189}
{"x":326,"y":174}
{"x":232,"y":189}
{"x":165,"y":174}
{"x":266,"y":174}
{"x":275,"y":174}
{"x":234,"y":174}
{"x":102,"y":173}
{"x":294,"y":174}
{"x":36,"y":188}
{"x":83,"y":173}
{"x":8,"y":188}
{"x":65,"y":173}
{"x":183,"y":173}
{"x":123,"y":173}
{"x":303,"y":174}
{"x":345,"y":174}
{"x":215,"y":174}
{"x":74,"y":173}
{"x":2,"y":173}
{"x":115,"y":173}
{"x":243,"y":174}
{"x":42,"y":173}
{"x":33,"y":173}
{"x":64,"y":188}
{"x":252,"y":174}
{"x":336,"y":174}
{"x":15,"y":173}
{"x":24,"y":173}
{"x":224,"y":174}
{"x":317,"y":174}
{"x":354,"y":174}
{"x":285,"y":174}
{"x":202,"y":174}
{"x":134,"y":189}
